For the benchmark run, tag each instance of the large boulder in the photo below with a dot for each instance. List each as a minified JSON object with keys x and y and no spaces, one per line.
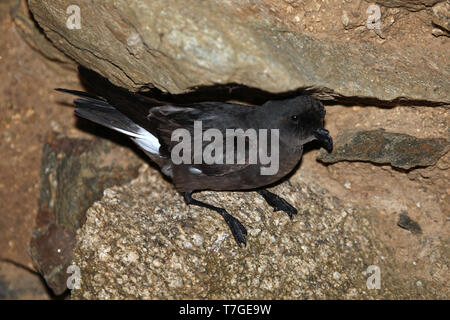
{"x":177,"y":45}
{"x":142,"y":241}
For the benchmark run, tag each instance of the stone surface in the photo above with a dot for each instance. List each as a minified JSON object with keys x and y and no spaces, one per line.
{"x":19,"y":283}
{"x":177,"y":45}
{"x":74,"y":174}
{"x":51,"y":248}
{"x":33,"y":35}
{"x":29,"y":108}
{"x":377,"y":146}
{"x":142,"y":241}
{"x":407,"y":223}
{"x":441,"y":16}
{"x":413,"y":5}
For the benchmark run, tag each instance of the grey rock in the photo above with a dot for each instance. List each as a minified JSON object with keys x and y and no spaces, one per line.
{"x":142,"y":241}
{"x":407,"y":223}
{"x":179,"y":45}
{"x":74,"y":174}
{"x":377,"y":146}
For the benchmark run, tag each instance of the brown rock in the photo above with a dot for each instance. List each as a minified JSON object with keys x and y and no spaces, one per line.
{"x":177,"y":45}
{"x":377,"y":146}
{"x":51,"y":248}
{"x":34,"y":36}
{"x":413,"y":5}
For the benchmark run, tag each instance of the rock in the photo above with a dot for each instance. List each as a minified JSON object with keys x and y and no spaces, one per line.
{"x":407,"y":223}
{"x":441,"y":16}
{"x":186,"y":44}
{"x":74,"y":174}
{"x":142,"y":241}
{"x":439,"y":32}
{"x":51,"y":248}
{"x":33,"y":35}
{"x":377,"y":146}
{"x":19,"y":283}
{"x":413,"y":5}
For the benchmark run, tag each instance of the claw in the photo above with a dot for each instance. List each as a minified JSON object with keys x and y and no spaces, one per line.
{"x":278,"y":203}
{"x":237,"y":229}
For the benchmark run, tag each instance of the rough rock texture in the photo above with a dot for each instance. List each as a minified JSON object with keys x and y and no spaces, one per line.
{"x":29,"y":108}
{"x":176,"y":45}
{"x":407,"y":223}
{"x":441,"y":16}
{"x":408,"y":4}
{"x":377,"y":146}
{"x":19,"y":283}
{"x":142,"y":241}
{"x":74,"y":174}
{"x":33,"y":35}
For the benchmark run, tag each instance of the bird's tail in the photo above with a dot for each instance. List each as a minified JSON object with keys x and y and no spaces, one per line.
{"x":98,"y":110}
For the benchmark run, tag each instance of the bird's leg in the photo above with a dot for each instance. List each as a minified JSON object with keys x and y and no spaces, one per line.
{"x":277,"y":203}
{"x":237,"y":229}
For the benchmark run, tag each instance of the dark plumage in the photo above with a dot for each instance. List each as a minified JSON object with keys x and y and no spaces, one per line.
{"x":150,"y":124}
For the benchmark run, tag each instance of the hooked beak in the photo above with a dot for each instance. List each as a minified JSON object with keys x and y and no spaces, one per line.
{"x":324,"y":137}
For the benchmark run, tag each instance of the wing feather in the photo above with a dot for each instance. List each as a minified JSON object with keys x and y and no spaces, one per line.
{"x":213,"y":115}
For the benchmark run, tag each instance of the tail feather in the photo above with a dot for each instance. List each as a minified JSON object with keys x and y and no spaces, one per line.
{"x":97,"y":110}
{"x":83,"y":95}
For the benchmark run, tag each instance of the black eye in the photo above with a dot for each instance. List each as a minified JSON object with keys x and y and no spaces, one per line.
{"x":294,"y":118}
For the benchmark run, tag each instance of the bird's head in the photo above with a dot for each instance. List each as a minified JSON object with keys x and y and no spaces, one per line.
{"x":300,"y":121}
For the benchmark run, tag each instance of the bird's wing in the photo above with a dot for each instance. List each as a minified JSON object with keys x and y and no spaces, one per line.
{"x":150,"y":122}
{"x":164,"y":120}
